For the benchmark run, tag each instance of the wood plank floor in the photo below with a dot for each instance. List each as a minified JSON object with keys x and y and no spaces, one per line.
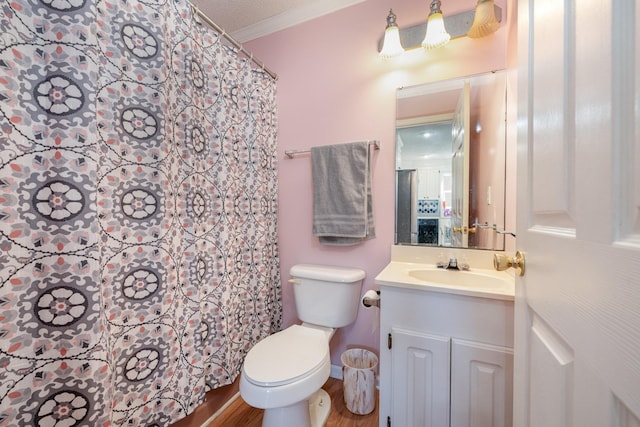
{"x":239,"y":414}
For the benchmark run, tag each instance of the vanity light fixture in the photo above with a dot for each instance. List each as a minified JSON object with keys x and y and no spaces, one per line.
{"x":391,"y":45}
{"x":479,"y":22}
{"x":436,"y":34}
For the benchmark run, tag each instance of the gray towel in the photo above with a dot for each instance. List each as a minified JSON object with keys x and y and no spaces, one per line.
{"x":342,"y":206}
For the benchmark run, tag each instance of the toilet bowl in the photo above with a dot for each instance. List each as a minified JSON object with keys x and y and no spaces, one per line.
{"x":284,"y":373}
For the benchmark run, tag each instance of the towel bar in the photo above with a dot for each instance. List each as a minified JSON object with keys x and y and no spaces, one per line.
{"x":291,"y":153}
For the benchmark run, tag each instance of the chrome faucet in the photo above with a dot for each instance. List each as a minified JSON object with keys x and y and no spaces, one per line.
{"x":453,"y":264}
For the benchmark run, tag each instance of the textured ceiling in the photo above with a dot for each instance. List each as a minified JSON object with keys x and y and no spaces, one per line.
{"x":249,"y":19}
{"x":236,"y":14}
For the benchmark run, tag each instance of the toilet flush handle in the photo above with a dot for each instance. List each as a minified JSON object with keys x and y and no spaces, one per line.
{"x":295,"y":281}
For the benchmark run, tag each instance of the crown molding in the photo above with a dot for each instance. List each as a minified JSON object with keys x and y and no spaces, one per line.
{"x":291,"y":18}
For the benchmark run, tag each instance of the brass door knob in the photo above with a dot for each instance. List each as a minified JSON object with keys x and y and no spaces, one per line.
{"x":464,"y":229}
{"x":502,"y":262}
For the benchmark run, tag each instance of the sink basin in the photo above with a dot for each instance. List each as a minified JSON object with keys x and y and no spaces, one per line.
{"x":471,"y":279}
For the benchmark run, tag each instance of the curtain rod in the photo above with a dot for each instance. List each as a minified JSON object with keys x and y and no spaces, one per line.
{"x":291,"y":153}
{"x":233,"y":41}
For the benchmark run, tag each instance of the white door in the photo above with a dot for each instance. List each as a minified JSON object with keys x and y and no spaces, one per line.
{"x":578,"y":304}
{"x":460,"y":170}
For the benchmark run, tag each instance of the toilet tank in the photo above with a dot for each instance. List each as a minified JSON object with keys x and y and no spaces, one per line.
{"x":326,"y":296}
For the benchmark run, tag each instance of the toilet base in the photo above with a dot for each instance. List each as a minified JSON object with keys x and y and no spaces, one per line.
{"x":313,"y":412}
{"x":319,"y":408}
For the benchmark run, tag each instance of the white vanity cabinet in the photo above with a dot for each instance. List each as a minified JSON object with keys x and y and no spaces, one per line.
{"x":446,"y":359}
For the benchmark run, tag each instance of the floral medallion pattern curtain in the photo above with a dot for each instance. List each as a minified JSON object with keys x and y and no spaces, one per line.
{"x":138,"y":234}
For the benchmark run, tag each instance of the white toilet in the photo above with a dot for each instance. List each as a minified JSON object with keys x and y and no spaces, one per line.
{"x":283,"y":374}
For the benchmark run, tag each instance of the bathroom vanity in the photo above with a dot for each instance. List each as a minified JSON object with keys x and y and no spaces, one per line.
{"x":446,"y":356}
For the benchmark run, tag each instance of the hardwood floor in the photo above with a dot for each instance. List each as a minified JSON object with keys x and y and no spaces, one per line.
{"x":239,"y":414}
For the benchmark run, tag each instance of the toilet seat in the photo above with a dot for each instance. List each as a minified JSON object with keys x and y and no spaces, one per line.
{"x":286,"y":356}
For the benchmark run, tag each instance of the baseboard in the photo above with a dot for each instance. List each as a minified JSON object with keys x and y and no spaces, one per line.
{"x":221,"y":410}
{"x":336,"y":372}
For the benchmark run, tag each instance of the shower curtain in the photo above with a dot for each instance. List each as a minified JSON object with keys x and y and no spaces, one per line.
{"x":138,"y":234}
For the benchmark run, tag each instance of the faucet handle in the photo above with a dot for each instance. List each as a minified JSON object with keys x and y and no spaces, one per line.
{"x":463,"y":263}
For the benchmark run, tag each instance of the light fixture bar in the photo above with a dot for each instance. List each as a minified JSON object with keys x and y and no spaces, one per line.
{"x":457,"y":25}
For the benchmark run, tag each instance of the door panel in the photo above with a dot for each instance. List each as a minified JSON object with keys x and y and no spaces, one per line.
{"x":481,"y":385}
{"x":551,"y":119}
{"x":550,"y":393}
{"x":420,"y":384}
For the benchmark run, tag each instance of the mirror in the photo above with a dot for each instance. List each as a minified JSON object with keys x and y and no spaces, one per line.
{"x":450,"y":163}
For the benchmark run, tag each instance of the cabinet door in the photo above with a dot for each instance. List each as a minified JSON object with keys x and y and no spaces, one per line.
{"x":420,"y":379}
{"x":481,"y":385}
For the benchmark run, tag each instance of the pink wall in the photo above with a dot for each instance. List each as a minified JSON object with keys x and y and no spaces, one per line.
{"x":333,"y":88}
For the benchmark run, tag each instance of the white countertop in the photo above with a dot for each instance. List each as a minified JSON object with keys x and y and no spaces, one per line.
{"x":482,"y":283}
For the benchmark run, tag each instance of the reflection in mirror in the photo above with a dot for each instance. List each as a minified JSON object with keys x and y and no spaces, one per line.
{"x":450,"y":163}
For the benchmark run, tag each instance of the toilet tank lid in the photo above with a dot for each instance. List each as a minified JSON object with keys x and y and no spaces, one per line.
{"x":327,"y":273}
